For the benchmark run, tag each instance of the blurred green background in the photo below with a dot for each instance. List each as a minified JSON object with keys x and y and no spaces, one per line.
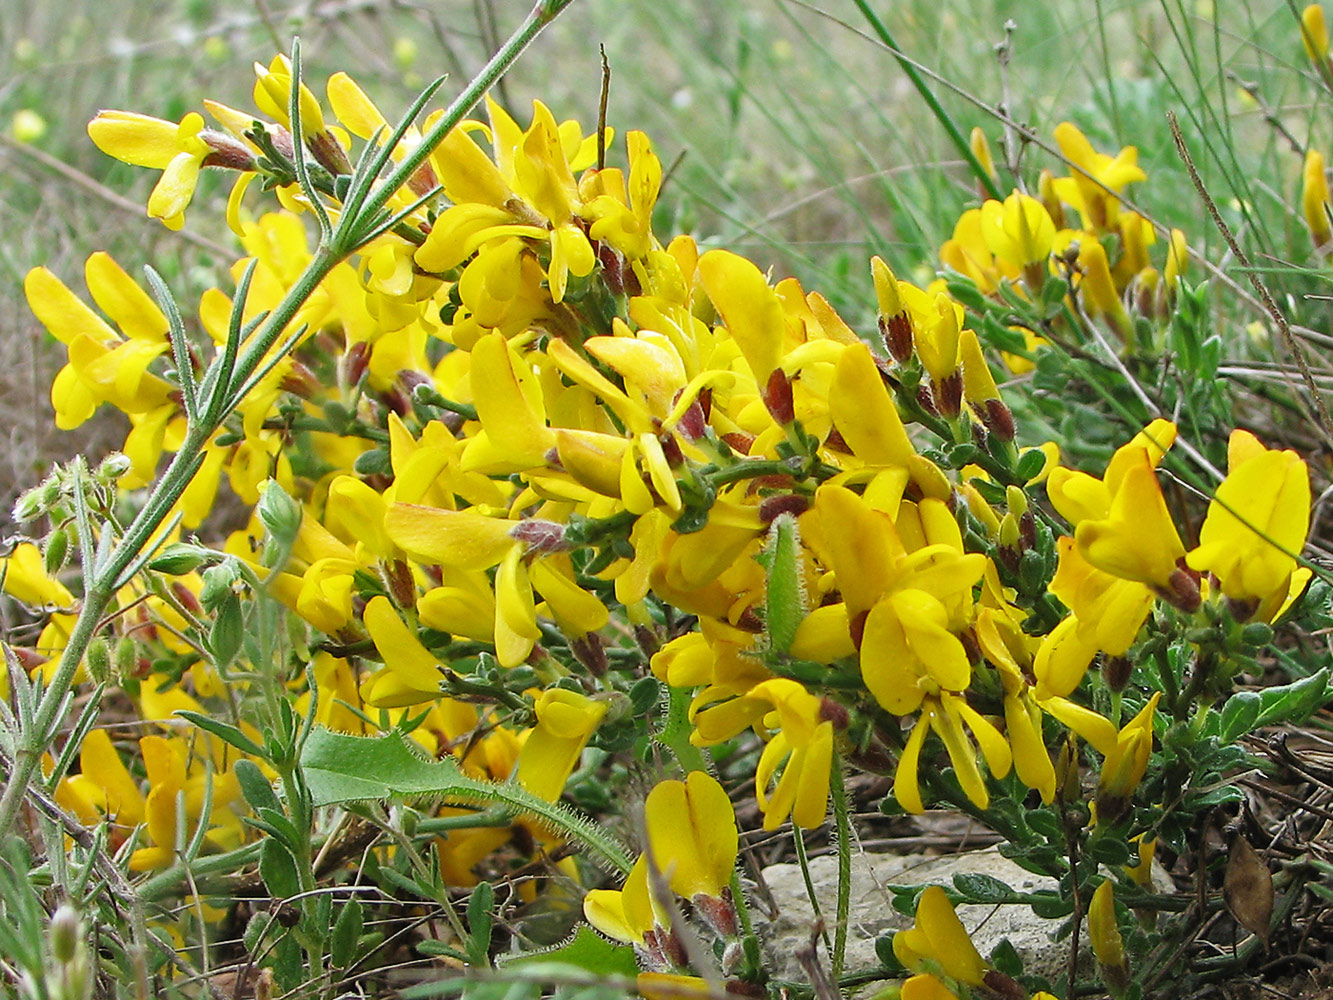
{"x":791,"y":134}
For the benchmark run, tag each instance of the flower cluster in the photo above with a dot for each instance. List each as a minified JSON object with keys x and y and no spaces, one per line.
{"x":522,"y":454}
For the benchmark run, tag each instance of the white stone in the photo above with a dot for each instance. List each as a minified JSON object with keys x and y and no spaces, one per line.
{"x":872,"y":913}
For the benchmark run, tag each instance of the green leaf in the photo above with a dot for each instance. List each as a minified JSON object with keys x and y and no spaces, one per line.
{"x":278,"y":870}
{"x":346,"y":934}
{"x":1004,"y":956}
{"x":255,"y":787}
{"x":586,"y":950}
{"x":1239,"y":715}
{"x":342,"y":768}
{"x":480,"y":921}
{"x":1050,"y":906}
{"x":1293,"y":702}
{"x":432,"y":948}
{"x":223,"y":731}
{"x":1109,"y":851}
{"x":978,"y":888}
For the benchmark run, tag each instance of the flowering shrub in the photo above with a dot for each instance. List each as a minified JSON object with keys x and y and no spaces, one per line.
{"x":539,"y":493}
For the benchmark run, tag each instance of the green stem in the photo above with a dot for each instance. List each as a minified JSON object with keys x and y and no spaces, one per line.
{"x":538,"y":18}
{"x":173,"y":879}
{"x":842,"y":820}
{"x":803,"y":859}
{"x":923,"y":88}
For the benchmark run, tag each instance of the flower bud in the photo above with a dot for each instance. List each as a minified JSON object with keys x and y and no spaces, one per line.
{"x":719,"y":912}
{"x":782,"y":503}
{"x":1116,"y":671}
{"x":66,"y":934}
{"x":589,"y":651}
{"x":55,"y":551}
{"x":279,"y":513}
{"x":177,"y":560}
{"x":1257,"y":634}
{"x":1107,"y":943}
{"x":356,"y":362}
{"x":113,"y":467}
{"x":218,"y":583}
{"x":125,"y":659}
{"x":30,"y":504}
{"x":541,"y":537}
{"x":1314,"y":32}
{"x":98,"y":660}
{"x":71,"y":978}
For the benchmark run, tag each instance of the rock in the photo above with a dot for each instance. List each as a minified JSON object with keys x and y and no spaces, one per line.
{"x":872,"y":914}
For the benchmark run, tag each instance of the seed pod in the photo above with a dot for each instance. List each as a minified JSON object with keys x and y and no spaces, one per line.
{"x":1248,"y":889}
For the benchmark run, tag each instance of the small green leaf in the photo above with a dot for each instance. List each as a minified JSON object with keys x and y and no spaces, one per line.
{"x":480,"y":921}
{"x":1239,"y":715}
{"x":431,"y":949}
{"x":1293,"y":702}
{"x":644,"y":694}
{"x":279,"y":513}
{"x":1109,"y":851}
{"x":289,"y":966}
{"x":978,"y":888}
{"x":346,"y":934}
{"x":1030,"y":464}
{"x":1050,"y":906}
{"x":278,"y":870}
{"x":281,"y":827}
{"x":223,"y":731}
{"x":1004,"y":956}
{"x":255,"y":787}
{"x":887,"y":958}
{"x":586,"y":950}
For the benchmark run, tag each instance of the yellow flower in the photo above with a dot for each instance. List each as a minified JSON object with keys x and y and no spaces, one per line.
{"x":1096,"y":178}
{"x":23,"y":576}
{"x":1127,"y":762}
{"x":179,"y":150}
{"x":1314,"y":33}
{"x":1315,"y":199}
{"x":411,"y":672}
{"x":1256,"y":524}
{"x":802,"y":745}
{"x":1141,"y":873}
{"x":937,"y":942}
{"x":625,"y":914}
{"x":176,"y":782}
{"x":1018,"y":230}
{"x":945,"y":715}
{"x":622,"y":213}
{"x":537,"y":167}
{"x":1107,"y":944}
{"x":565,"y":722}
{"x":691,"y":830}
{"x":1137,"y":540}
{"x":1177,"y":259}
{"x":981,"y":150}
{"x":104,"y":365}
